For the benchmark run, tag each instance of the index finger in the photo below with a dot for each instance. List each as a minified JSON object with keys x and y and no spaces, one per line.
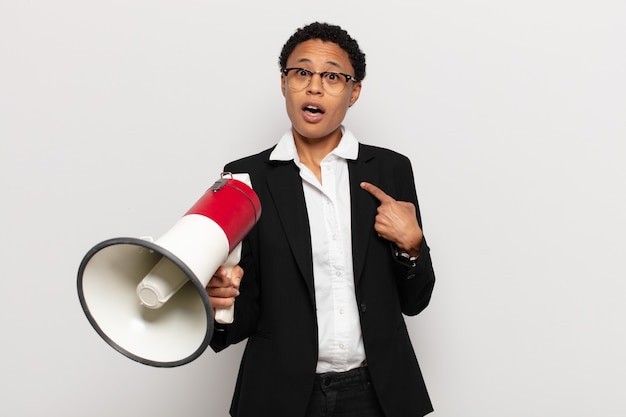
{"x":376,"y":192}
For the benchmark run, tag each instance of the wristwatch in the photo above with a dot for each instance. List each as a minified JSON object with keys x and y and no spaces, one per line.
{"x":406,"y":259}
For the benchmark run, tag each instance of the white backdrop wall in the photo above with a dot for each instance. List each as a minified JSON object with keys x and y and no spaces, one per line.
{"x":115,"y":116}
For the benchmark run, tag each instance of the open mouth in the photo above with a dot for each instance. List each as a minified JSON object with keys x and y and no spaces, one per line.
{"x":313,"y":109}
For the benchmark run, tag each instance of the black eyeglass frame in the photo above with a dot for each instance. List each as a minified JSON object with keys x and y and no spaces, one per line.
{"x":349,"y":78}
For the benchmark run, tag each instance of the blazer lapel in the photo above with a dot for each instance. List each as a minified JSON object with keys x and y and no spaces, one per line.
{"x":363,"y":208}
{"x":291,"y":207}
{"x":292,"y":212}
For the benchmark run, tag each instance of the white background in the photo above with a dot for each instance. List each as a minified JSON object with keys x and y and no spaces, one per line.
{"x":115,"y":116}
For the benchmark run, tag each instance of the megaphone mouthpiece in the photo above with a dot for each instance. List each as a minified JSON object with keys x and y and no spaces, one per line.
{"x":160,"y":284}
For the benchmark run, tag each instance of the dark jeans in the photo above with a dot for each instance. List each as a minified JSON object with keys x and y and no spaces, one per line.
{"x":344,"y":394}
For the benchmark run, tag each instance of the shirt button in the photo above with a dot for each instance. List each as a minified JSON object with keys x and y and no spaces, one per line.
{"x":363,"y":307}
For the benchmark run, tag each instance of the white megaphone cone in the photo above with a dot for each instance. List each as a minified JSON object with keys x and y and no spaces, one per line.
{"x":148,"y":299}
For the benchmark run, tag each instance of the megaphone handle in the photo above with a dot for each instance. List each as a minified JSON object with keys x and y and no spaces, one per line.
{"x":226,"y":315}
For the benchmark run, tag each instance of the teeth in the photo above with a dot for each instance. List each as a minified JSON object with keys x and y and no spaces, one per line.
{"x":312,"y":109}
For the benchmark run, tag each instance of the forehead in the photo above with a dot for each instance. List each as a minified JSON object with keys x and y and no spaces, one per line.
{"x":320,"y":55}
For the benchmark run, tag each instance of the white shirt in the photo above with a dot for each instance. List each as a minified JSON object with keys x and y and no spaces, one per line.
{"x":328,"y":206}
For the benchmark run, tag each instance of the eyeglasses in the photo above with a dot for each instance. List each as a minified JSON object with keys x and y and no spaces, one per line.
{"x":333,"y":82}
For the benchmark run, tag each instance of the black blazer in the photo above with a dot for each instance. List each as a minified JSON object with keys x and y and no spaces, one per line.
{"x":275,"y":310}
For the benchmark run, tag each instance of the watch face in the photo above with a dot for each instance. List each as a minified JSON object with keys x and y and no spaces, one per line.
{"x":406,"y":259}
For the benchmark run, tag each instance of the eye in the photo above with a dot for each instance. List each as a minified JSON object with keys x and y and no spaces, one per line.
{"x":332,"y":77}
{"x":304,"y":73}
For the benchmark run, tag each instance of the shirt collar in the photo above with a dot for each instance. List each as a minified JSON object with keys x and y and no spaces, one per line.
{"x":285,"y":149}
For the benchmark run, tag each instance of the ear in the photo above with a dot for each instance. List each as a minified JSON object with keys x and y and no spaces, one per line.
{"x":283,"y":83}
{"x":354,"y":95}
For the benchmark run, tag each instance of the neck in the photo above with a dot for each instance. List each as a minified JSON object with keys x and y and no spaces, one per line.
{"x":312,"y":151}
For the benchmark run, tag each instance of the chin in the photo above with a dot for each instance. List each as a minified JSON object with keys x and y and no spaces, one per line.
{"x":313,"y":133}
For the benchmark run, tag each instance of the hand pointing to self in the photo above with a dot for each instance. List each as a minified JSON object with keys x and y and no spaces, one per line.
{"x":396,"y":221}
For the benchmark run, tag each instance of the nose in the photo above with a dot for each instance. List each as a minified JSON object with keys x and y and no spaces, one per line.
{"x":316,"y":85}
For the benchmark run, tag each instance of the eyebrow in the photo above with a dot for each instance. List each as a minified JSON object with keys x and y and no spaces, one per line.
{"x":307,"y":60}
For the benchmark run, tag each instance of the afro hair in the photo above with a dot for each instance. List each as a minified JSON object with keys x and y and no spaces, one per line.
{"x":327,"y":33}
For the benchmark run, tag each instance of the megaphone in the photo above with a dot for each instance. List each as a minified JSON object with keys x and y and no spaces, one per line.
{"x":147,"y":299}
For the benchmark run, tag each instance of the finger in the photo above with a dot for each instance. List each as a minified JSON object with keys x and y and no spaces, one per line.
{"x":236,"y":276}
{"x":221,"y":302}
{"x":221,"y":273}
{"x":379,"y":194}
{"x":219,"y":281}
{"x":222,"y":292}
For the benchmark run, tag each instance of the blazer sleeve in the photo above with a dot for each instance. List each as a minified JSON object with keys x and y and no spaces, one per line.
{"x":415,"y":284}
